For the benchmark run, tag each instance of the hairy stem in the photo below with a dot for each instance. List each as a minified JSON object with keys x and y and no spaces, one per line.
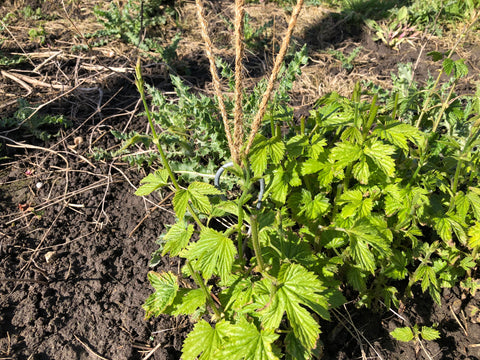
{"x":256,"y":243}
{"x":140,"y":86}
{"x":199,"y":281}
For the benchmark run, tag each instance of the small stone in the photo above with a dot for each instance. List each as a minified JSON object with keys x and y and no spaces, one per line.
{"x":50,"y":256}
{"x":39,"y":185}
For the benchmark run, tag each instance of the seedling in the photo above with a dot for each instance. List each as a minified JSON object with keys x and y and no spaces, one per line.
{"x":408,"y":334}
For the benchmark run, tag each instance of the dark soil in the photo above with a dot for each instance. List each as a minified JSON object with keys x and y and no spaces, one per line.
{"x":75,"y":242}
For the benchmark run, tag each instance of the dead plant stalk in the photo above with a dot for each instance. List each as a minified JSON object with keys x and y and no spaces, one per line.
{"x":236,"y":144}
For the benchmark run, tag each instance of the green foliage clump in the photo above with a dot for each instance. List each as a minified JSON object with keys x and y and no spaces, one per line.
{"x":43,"y":127}
{"x":192,"y":131}
{"x":364,"y":193}
{"x":130,"y":22}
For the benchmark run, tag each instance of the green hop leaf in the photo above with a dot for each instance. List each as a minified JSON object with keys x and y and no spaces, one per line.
{"x":166,"y":287}
{"x":404,"y":334}
{"x":204,"y":341}
{"x":213,"y":253}
{"x":152,"y":182}
{"x":177,"y":238}
{"x":430,"y":334}
{"x":246,"y":342}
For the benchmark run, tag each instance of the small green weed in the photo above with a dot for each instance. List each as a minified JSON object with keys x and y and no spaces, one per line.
{"x":11,"y":60}
{"x":408,"y":333}
{"x":30,"y":14}
{"x":130,"y":22}
{"x":347,"y":61}
{"x":255,"y":38}
{"x":37,"y":35}
{"x":40,"y":126}
{"x":396,"y":30}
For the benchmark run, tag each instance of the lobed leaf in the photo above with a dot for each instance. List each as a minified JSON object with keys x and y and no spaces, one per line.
{"x":380,"y":154}
{"x":152,"y":182}
{"x":247,"y":342}
{"x":214,"y":253}
{"x":180,"y":203}
{"x":296,"y":287}
{"x":177,"y":238}
{"x":166,"y":287}
{"x":474,"y":236}
{"x":204,"y":342}
{"x":186,"y":302}
{"x":345,"y":154}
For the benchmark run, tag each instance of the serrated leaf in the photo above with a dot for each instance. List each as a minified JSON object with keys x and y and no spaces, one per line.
{"x":187,"y":302}
{"x":448,"y":65}
{"x":296,"y":145}
{"x":166,"y":287}
{"x":462,"y":205}
{"x":380,"y":154}
{"x":276,"y":150}
{"x":311,"y":166}
{"x":397,"y":269}
{"x":177,"y":238}
{"x":355,"y":203}
{"x":356,"y":278}
{"x":474,"y":201}
{"x":214,"y":253}
{"x":398,"y":134}
{"x":404,"y":334}
{"x":258,"y":157}
{"x":361,"y":171}
{"x":427,"y":275}
{"x":362,"y":255}
{"x":246,"y":342}
{"x":295,"y":287}
{"x":203,"y":188}
{"x":365,"y":236}
{"x":152,"y":182}
{"x":461,"y":70}
{"x":443,"y":228}
{"x":197,"y":193}
{"x":474,"y":234}
{"x":345,"y":154}
{"x":203,"y":342}
{"x":311,"y":208}
{"x":429,"y":334}
{"x":263,"y":149}
{"x":317,"y":145}
{"x":280,"y":185}
{"x":180,"y":203}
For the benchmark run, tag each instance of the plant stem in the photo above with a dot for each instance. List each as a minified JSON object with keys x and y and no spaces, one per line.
{"x":455,"y":184}
{"x":196,"y":276}
{"x":256,"y":243}
{"x":140,"y":86}
{"x":199,"y":281}
{"x":371,"y":117}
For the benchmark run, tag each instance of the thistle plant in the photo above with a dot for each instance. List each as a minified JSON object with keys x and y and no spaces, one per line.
{"x":350,"y":201}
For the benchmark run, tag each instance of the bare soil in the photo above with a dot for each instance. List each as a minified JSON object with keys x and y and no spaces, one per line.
{"x":75,"y":241}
